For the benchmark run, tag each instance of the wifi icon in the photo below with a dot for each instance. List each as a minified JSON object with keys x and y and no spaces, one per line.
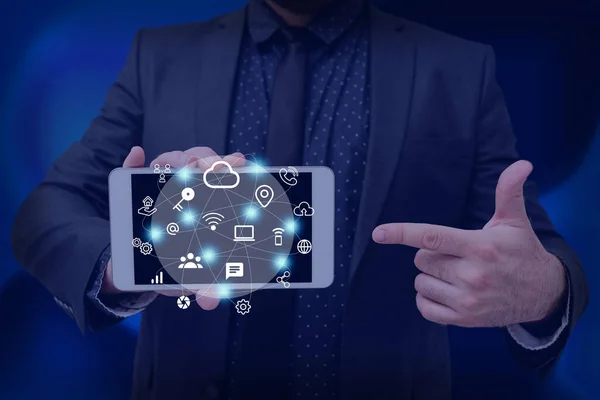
{"x":213,"y":219}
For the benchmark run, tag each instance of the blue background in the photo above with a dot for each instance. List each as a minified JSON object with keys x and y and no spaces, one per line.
{"x":59,"y":58}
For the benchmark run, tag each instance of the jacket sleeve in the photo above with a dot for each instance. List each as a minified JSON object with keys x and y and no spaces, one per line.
{"x":62,"y":228}
{"x":495,"y":151}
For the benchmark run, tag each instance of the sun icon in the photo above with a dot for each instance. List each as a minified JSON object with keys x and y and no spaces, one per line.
{"x":190,"y":262}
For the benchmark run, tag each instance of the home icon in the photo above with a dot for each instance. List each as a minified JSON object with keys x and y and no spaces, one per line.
{"x":148,"y":202}
{"x":148,"y":209}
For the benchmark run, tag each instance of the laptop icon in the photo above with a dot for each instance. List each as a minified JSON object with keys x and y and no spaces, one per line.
{"x":243,"y":233}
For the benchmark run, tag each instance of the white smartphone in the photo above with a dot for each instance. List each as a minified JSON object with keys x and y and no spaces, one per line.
{"x":225,"y":229}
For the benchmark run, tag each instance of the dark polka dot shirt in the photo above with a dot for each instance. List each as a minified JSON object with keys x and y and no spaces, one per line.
{"x":337,"y":128}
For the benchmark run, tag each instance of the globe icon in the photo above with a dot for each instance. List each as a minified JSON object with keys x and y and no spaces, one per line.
{"x":304,"y":246}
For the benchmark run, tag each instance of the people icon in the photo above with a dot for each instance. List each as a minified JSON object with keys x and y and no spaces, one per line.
{"x":190,"y":262}
{"x":167,"y":169}
{"x":157,"y":169}
{"x":162,"y":179}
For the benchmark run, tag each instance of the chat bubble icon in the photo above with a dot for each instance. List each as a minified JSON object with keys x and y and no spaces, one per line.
{"x":234,"y":270}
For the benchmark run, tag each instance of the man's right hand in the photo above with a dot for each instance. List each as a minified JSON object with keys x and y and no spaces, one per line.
{"x":197,"y":157}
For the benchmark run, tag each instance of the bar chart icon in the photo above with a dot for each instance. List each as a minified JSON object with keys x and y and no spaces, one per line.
{"x":158,"y":280}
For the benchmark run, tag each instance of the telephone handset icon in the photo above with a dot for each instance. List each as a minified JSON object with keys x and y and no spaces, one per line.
{"x":288,"y":175}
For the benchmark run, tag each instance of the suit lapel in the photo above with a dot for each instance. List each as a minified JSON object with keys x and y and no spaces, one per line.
{"x":392,"y":73}
{"x":217,"y":61}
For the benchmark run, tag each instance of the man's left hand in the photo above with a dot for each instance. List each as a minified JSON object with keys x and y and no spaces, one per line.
{"x":497,"y":276}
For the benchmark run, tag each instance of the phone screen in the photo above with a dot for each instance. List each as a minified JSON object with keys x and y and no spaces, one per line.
{"x":221,"y":227}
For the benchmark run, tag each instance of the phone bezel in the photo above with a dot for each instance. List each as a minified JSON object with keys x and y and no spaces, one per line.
{"x":121,"y":210}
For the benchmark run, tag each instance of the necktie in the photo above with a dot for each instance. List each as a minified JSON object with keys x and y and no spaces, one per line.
{"x":271,"y":355}
{"x":285,"y":137}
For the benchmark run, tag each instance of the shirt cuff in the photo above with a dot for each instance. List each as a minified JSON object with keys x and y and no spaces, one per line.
{"x":121,"y":305}
{"x":530,"y":342}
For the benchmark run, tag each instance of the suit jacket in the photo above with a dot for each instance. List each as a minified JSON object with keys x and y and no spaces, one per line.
{"x":440,"y":137}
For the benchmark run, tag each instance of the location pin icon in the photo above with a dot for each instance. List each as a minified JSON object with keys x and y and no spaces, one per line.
{"x":264,"y":195}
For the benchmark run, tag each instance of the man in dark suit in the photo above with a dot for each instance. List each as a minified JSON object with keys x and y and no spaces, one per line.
{"x":414,"y":126}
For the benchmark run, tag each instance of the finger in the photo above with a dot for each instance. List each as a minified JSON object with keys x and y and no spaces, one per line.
{"x":173,"y":158}
{"x":235,"y":160}
{"x":510,"y":204}
{"x":437,"y":290}
{"x":207,"y":299}
{"x":441,"y":239}
{"x":202,"y":157}
{"x":135,"y":159}
{"x":441,"y":266}
{"x":435,"y":312}
{"x":207,"y":303}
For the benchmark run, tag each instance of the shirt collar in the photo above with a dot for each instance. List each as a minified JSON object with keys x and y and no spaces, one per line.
{"x":329,"y":25}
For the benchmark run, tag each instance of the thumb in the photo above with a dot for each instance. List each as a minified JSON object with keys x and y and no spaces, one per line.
{"x":135,"y":159}
{"x":208,"y":299}
{"x":510,"y":203}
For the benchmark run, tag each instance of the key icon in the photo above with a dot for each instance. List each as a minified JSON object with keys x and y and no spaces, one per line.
{"x":187,"y":194}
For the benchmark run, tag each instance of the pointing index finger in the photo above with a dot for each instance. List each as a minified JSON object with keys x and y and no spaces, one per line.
{"x":441,"y":239}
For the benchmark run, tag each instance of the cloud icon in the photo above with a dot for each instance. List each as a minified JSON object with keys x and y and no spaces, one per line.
{"x":304,"y":210}
{"x":221,"y":179}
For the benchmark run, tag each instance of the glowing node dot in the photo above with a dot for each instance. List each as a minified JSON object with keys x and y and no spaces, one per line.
{"x":184,"y":174}
{"x":223,"y":292}
{"x":155,"y":233}
{"x":280,"y":262}
{"x":209,"y":255}
{"x":251,"y":212}
{"x":290,"y":226}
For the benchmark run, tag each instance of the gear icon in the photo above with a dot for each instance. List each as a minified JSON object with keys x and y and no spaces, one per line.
{"x":243,"y":306}
{"x":136,"y":242}
{"x":146,"y":248}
